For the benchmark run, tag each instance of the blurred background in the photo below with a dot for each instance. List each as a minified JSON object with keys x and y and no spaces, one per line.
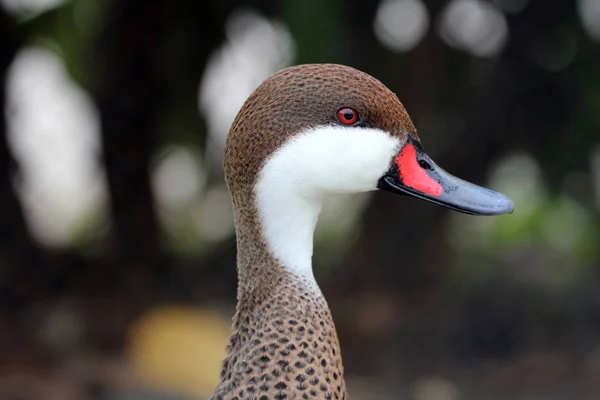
{"x":117,"y":254}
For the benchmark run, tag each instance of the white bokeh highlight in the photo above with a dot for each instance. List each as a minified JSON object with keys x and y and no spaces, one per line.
{"x":400,"y":25}
{"x":177,"y":177}
{"x":474,"y":26}
{"x":589,"y":12}
{"x":29,"y":6}
{"x":255,"y":48}
{"x":53,"y":133}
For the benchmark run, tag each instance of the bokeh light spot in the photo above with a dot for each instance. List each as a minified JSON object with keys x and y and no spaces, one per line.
{"x":54,"y":134}
{"x":401,"y":24}
{"x":474,"y":26}
{"x":589,"y":12}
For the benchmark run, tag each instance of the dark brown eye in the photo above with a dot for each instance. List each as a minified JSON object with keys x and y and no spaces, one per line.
{"x":347,"y":116}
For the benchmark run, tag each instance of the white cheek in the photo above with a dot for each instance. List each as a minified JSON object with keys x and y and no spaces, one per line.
{"x":311,"y":165}
{"x":334,"y":159}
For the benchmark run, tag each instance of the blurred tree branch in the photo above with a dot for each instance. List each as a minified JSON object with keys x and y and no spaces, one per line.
{"x":128,"y":92}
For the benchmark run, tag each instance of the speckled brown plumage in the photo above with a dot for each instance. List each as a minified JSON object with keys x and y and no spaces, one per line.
{"x":284,"y":344}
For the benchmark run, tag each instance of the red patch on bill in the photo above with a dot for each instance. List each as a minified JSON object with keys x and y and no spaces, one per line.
{"x":413,"y":175}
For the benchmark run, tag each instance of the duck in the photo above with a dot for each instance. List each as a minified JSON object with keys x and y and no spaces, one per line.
{"x":308,"y":132}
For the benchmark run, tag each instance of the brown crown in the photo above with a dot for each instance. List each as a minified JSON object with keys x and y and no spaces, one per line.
{"x":298,"y":98}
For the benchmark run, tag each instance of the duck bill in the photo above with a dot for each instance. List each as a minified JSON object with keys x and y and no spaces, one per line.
{"x":414,"y":174}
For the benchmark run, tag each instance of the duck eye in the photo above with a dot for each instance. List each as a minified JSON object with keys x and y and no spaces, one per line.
{"x":347,"y":116}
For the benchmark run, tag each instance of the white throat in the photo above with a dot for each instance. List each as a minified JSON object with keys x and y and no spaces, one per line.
{"x":307,"y":168}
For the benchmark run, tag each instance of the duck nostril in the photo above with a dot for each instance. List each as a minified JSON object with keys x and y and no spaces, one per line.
{"x":424,"y":164}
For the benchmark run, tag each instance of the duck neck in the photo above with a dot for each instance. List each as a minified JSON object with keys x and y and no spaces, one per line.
{"x":276,"y":243}
{"x":284,"y":339}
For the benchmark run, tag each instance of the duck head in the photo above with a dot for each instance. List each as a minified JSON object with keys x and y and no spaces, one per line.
{"x":313,"y":130}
